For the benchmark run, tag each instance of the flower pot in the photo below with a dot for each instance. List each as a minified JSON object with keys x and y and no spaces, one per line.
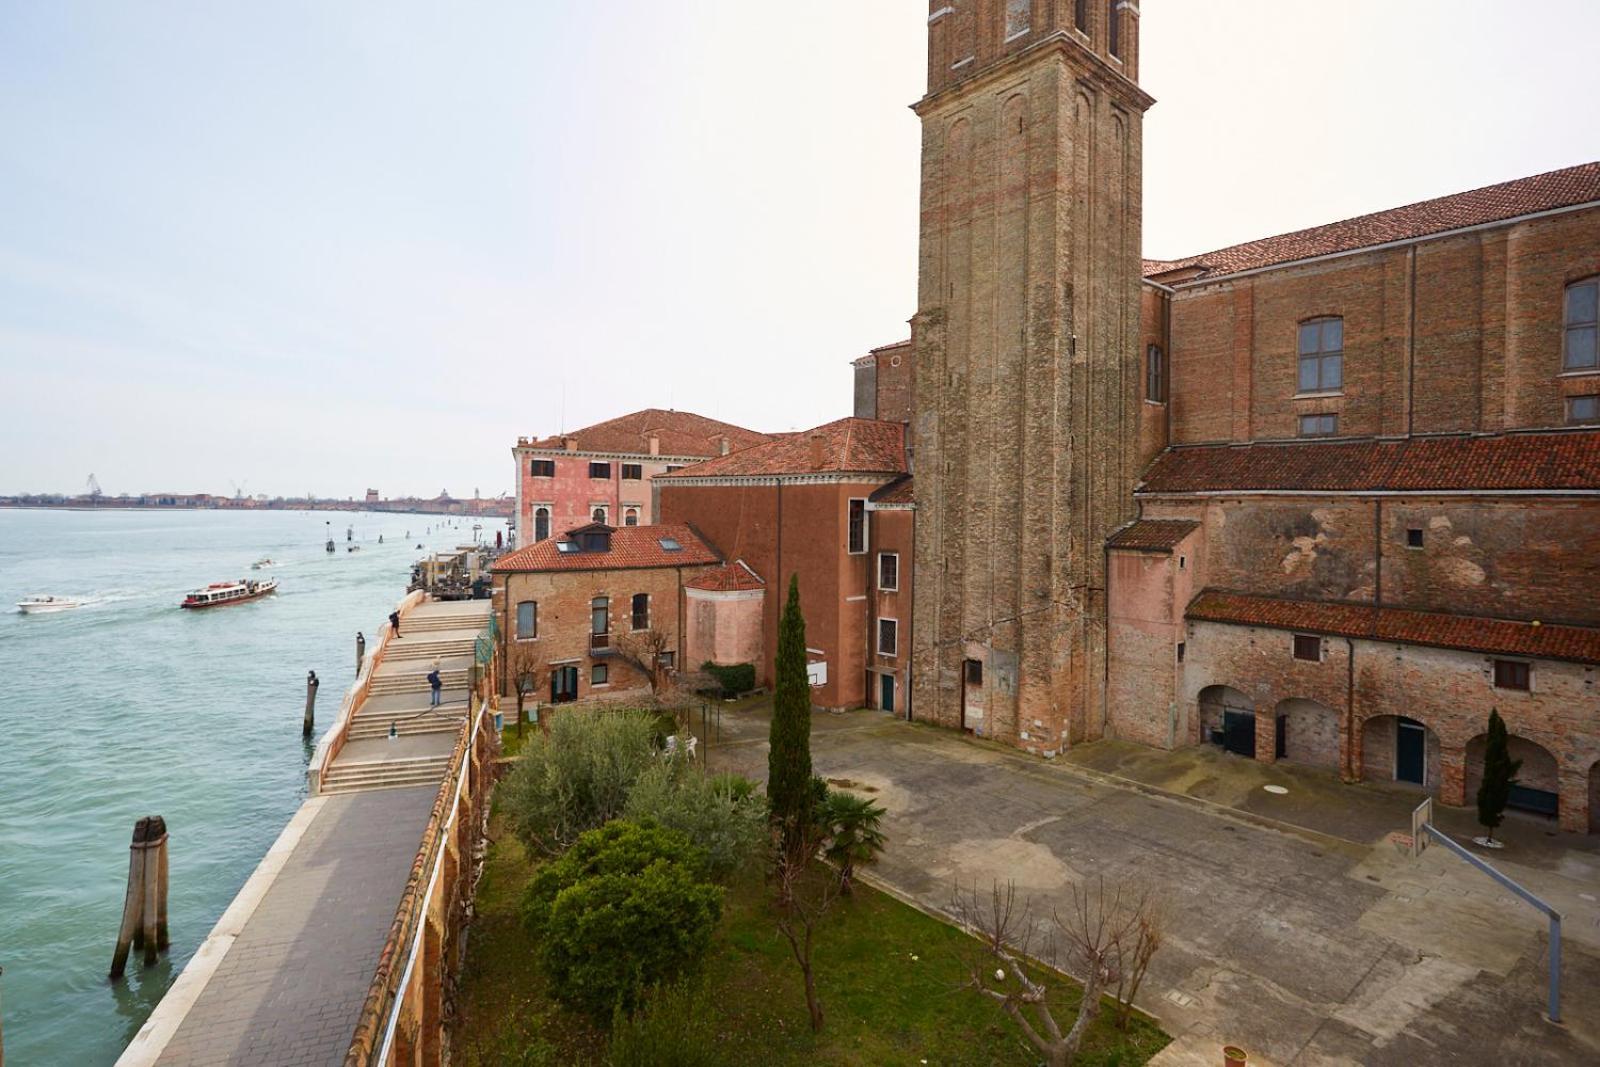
{"x":1233,"y":1056}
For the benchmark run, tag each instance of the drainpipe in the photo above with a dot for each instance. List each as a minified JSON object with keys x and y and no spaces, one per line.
{"x":911,"y":622}
{"x":1350,"y":710}
{"x":1377,"y":548}
{"x":1411,"y":339}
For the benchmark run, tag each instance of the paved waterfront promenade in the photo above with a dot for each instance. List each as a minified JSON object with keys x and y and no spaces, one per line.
{"x":282,"y":977}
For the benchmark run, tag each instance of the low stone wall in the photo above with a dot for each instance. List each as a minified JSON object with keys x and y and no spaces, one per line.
{"x":403,"y":1019}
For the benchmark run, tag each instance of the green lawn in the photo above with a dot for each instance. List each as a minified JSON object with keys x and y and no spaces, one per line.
{"x":888,"y":976}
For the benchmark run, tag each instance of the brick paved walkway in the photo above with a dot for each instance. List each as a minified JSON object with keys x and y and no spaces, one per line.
{"x":291,"y":986}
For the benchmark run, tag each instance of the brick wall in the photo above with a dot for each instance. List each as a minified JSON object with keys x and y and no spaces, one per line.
{"x":1456,"y":333}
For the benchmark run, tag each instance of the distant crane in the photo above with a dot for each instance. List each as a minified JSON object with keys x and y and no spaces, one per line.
{"x":238,"y":488}
{"x":94,"y":487}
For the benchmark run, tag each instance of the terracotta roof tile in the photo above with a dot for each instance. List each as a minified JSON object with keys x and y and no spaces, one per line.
{"x":681,"y":433}
{"x":632,"y":547}
{"x":1160,"y":535}
{"x":900,"y":491}
{"x":1555,"y":460}
{"x":1493,"y":203}
{"x":730,"y":577}
{"x":1471,"y":633}
{"x":866,"y":446}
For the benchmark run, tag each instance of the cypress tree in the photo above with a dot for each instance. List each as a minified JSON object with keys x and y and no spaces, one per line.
{"x":789,"y":761}
{"x":1499,"y":775}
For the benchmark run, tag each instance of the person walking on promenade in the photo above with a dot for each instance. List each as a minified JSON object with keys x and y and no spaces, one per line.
{"x":436,"y":683}
{"x":394,"y":623}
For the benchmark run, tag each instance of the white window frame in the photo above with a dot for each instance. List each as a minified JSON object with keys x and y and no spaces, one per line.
{"x":895,"y":588}
{"x":533,"y":522}
{"x":605,"y":513}
{"x":878,"y":635}
{"x":520,"y":636}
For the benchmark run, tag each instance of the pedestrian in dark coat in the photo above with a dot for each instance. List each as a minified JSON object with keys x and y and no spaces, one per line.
{"x":394,"y":623}
{"x":437,"y":684}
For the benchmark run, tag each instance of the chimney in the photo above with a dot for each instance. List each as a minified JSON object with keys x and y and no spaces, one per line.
{"x":655,"y":444}
{"x":816,"y":451}
{"x":722,"y":443}
{"x":571,"y":443}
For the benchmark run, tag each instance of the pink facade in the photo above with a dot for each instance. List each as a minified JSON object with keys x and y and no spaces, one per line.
{"x":723,"y":626}
{"x":576,"y":493}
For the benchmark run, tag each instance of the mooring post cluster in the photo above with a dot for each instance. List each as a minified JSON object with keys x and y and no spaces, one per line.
{"x":144,"y":910}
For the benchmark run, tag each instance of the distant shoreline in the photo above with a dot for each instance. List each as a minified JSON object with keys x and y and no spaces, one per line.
{"x":419,"y":508}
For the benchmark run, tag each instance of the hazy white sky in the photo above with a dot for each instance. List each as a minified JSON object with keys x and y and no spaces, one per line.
{"x":308,"y":245}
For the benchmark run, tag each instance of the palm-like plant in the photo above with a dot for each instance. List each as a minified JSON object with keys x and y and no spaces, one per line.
{"x":854,"y":833}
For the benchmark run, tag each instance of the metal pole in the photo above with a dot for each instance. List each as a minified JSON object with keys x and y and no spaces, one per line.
{"x":1555,"y":967}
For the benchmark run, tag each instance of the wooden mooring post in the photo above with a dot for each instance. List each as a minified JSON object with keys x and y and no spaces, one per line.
{"x":144,"y":908}
{"x":311,"y":704}
{"x":361,"y":651}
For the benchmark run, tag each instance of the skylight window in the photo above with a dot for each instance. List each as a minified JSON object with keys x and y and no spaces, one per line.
{"x":566,"y":546}
{"x":671,"y":544}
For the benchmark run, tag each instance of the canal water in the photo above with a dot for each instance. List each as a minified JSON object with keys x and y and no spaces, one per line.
{"x":128,"y":706}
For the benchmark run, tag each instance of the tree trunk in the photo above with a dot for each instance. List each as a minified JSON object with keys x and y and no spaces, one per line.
{"x":813,"y":1005}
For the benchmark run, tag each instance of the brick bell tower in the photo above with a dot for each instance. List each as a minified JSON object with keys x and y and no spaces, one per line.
{"x":1027,"y":336}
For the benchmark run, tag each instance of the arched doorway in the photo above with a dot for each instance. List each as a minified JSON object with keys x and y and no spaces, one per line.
{"x":1228,"y":719}
{"x":1308,"y":733}
{"x":1538,"y":783}
{"x":1397,"y":749}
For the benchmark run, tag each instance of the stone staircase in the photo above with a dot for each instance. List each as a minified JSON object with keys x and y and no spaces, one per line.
{"x":446,"y":719}
{"x":417,"y":681}
{"x":351,"y":777}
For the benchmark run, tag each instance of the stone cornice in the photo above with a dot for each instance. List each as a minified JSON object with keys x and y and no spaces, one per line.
{"x":829,"y":478}
{"x":579,"y":453}
{"x":1100,"y":72}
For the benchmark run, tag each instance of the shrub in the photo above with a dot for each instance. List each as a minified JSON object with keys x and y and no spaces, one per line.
{"x":726,"y":819}
{"x":676,"y":1027}
{"x":732,"y":678}
{"x":855,"y":833}
{"x":625,"y":908}
{"x":578,"y":777}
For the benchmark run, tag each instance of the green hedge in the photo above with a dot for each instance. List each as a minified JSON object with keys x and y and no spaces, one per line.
{"x":734,"y":678}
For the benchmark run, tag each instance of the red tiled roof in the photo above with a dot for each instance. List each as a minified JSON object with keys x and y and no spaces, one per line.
{"x":632,"y":547}
{"x":1493,"y":203}
{"x":728,"y":578}
{"x":1530,"y":461}
{"x":1160,"y":535}
{"x":681,"y":433}
{"x":1471,"y":633}
{"x":899,"y":491}
{"x":866,"y":446}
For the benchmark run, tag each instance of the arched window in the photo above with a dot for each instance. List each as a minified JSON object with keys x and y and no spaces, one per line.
{"x":1321,"y":355}
{"x":641,"y":611}
{"x":541,"y":523}
{"x":1583,"y":316}
{"x":598,"y":514}
{"x":630,"y":517}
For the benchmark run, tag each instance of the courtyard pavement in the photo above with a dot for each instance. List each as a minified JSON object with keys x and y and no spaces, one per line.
{"x":1296,"y":928}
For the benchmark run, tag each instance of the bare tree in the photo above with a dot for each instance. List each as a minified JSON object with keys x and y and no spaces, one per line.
{"x":1107,"y":936}
{"x":642,"y":651}
{"x":526,"y":673}
{"x":805,"y":893}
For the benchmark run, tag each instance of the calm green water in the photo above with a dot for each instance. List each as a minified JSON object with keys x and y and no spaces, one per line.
{"x":129,"y":706}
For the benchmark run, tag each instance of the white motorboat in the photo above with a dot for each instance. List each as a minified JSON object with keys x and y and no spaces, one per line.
{"x":263,"y":563}
{"x":40,"y":604}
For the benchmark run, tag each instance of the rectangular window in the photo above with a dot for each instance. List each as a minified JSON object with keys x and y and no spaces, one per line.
{"x":1181,"y":647}
{"x":1321,"y":356}
{"x":1018,"y":16}
{"x":600,"y":674}
{"x":632,"y":472}
{"x":599,"y":470}
{"x":1511,"y":674}
{"x":1319,"y":425}
{"x":641,"y":611}
{"x":527,"y":620}
{"x":666,"y":660}
{"x":1414,"y":538}
{"x":888,"y":637}
{"x":1155,"y":375}
{"x":1308,"y":647}
{"x":888,"y":572}
{"x":857,"y":532}
{"x":1583,"y":317}
{"x":1114,"y":36}
{"x":974,"y":672}
{"x":674,"y":467}
{"x":1583,"y":410}
{"x":599,"y":615}
{"x":542,"y":468}
{"x":1080,"y":15}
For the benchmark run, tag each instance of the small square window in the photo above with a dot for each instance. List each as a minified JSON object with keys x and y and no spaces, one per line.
{"x":974,"y":672}
{"x":1414,"y":538}
{"x":542,"y":468}
{"x":1308,"y":647}
{"x":666,"y":660}
{"x":600,"y":674}
{"x":1511,"y":674}
{"x":632,"y":472}
{"x":599,"y":470}
{"x":1583,"y":410}
{"x":1319,"y":425}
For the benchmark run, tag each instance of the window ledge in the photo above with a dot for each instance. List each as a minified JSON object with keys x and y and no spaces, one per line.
{"x":1019,"y":35}
{"x":1155,"y":403}
{"x":1581,"y":372}
{"x":1335,"y":394}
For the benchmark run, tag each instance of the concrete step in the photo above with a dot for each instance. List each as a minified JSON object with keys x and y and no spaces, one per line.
{"x":363,"y":727}
{"x":418,"y":770}
{"x":417,"y":682}
{"x":466,"y":622}
{"x":427,"y":650}
{"x":334,"y":789}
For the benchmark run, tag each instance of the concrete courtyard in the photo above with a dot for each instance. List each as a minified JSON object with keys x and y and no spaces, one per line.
{"x":1297,"y":929}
